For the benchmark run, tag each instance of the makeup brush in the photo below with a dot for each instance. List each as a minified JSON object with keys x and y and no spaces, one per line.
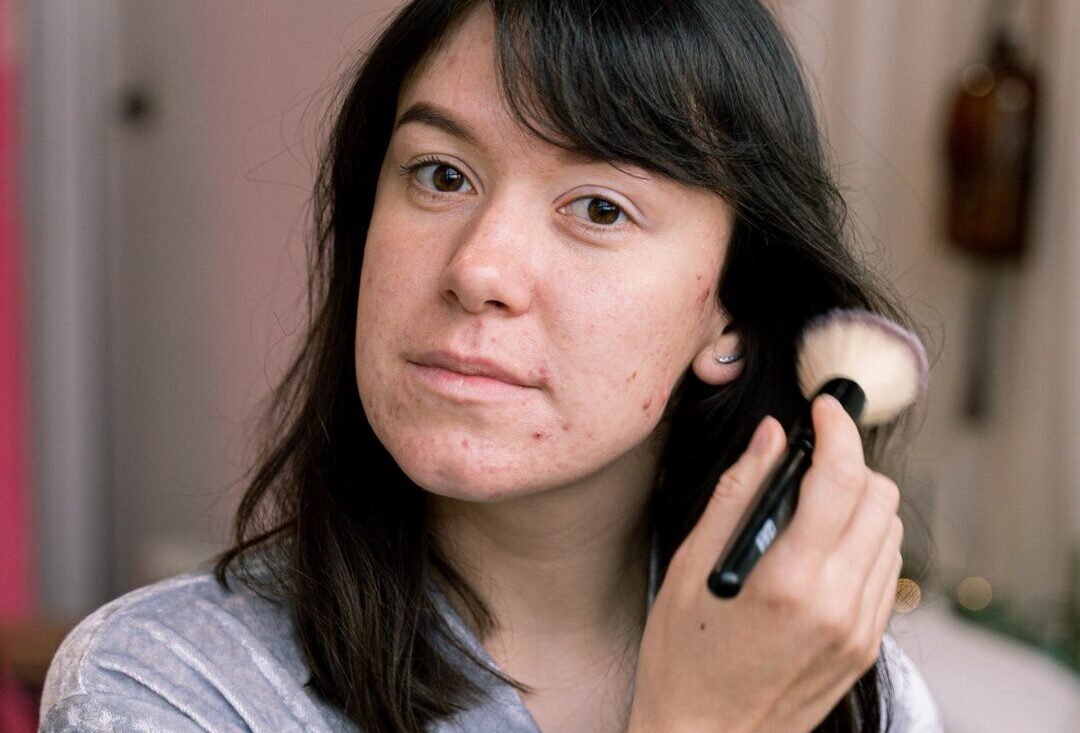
{"x":874,"y":368}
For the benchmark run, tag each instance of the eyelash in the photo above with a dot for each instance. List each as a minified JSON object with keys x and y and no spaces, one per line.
{"x":601,"y":229}
{"x":410,"y":170}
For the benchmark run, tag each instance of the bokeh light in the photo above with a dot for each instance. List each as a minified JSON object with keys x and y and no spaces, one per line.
{"x":908,"y":595}
{"x":974,"y":593}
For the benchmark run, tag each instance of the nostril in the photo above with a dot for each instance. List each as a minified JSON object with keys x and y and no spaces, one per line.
{"x":452,"y":296}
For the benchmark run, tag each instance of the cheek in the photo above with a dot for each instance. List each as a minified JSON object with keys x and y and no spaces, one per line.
{"x":703,"y":298}
{"x":389,"y":272}
{"x":631,"y":355}
{"x":384,"y":291}
{"x":395,"y":276}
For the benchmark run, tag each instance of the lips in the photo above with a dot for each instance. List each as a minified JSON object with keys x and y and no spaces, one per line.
{"x":472,"y":366}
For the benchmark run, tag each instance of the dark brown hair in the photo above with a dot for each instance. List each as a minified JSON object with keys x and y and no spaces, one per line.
{"x":704,"y":92}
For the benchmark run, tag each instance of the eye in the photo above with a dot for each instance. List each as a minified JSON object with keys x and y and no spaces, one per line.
{"x":598,"y":211}
{"x":437,"y":176}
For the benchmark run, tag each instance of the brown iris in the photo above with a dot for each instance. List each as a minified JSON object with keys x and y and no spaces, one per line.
{"x":445,"y":178}
{"x":603,"y":212}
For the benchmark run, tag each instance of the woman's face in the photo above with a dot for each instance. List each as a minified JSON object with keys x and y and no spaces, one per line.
{"x":582,"y":292}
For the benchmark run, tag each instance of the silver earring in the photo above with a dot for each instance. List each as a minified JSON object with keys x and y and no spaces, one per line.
{"x":729,"y":358}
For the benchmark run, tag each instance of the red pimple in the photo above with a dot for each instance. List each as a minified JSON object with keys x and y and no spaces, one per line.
{"x":646,"y":404}
{"x":704,"y":295}
{"x":464,"y":443}
{"x":566,"y":427}
{"x":538,"y":435}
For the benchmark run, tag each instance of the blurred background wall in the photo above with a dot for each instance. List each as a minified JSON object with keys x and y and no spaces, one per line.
{"x":168,"y":153}
{"x":169,"y":160}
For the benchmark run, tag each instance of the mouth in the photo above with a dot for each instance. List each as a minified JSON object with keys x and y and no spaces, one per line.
{"x":468,"y":378}
{"x":472,"y":366}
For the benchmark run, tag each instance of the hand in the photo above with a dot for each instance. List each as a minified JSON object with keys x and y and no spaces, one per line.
{"x":809,"y":620}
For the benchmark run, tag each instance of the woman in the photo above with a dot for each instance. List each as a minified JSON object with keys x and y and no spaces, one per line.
{"x":563,"y":251}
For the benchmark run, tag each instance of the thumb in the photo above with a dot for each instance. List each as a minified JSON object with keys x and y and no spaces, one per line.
{"x":735,"y":490}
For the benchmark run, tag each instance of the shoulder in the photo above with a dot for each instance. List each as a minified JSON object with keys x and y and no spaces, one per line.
{"x":183,"y":654}
{"x":911,"y":707}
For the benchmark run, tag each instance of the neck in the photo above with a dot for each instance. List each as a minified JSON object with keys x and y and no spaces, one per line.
{"x":567,"y":566}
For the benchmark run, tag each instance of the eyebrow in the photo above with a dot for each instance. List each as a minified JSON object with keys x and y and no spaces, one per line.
{"x":439,"y":118}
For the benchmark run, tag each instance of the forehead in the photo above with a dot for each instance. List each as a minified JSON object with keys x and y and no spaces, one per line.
{"x":460,"y":71}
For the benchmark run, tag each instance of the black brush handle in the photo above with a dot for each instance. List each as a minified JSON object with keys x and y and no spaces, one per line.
{"x":775,"y":502}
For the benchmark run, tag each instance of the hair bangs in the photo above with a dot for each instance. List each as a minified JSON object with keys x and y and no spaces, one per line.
{"x":618,"y":81}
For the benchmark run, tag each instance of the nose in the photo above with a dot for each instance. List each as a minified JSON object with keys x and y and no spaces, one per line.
{"x":492,"y":265}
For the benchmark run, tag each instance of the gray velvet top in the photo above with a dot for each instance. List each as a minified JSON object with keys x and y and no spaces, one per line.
{"x":187,"y":656}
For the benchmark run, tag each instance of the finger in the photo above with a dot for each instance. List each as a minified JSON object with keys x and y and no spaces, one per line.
{"x":868,"y":530}
{"x":734,"y":492}
{"x":879,"y":597}
{"x":887,"y":602}
{"x":835,"y":482}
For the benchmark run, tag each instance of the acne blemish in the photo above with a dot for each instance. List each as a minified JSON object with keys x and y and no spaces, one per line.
{"x":699,"y":276}
{"x":538,"y":435}
{"x":632,"y":376}
{"x":702,"y":626}
{"x":566,"y":427}
{"x":704,"y":295}
{"x":464,"y":443}
{"x":646,"y":404}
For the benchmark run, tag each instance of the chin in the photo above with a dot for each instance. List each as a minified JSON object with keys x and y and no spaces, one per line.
{"x":452,"y":468}
{"x":472,"y":482}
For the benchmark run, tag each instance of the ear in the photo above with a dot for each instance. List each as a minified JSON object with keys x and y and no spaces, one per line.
{"x":708,"y":369}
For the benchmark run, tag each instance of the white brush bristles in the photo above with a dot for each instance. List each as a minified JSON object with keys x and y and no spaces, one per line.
{"x":887,"y":361}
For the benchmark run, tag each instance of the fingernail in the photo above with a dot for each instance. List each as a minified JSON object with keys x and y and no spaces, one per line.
{"x":760,"y":441}
{"x":832,"y":402}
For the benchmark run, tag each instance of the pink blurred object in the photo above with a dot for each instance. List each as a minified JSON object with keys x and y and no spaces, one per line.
{"x":16,"y":592}
{"x":18,"y":712}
